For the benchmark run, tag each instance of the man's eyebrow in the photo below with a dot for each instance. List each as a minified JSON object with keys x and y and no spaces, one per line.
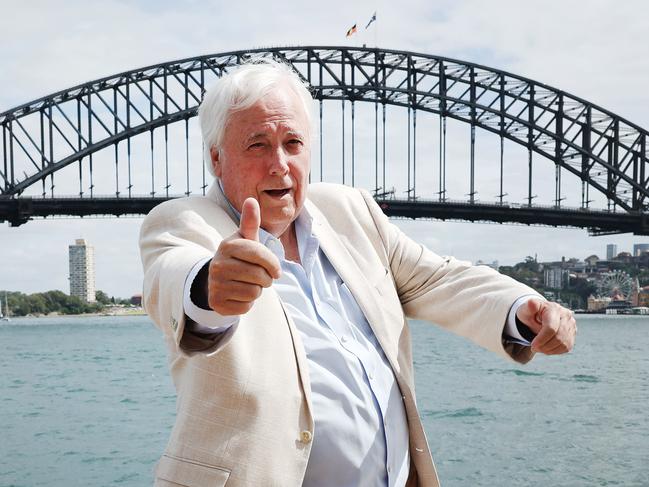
{"x":256,"y":135}
{"x":261,"y":135}
{"x":295,"y":133}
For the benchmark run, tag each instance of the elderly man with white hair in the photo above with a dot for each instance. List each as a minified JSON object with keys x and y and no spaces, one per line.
{"x":284,"y":308}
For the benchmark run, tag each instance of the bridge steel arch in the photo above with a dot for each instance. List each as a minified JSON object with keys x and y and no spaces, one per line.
{"x":606,"y":152}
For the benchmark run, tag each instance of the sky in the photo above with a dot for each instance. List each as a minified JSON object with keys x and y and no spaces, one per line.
{"x":593,"y":50}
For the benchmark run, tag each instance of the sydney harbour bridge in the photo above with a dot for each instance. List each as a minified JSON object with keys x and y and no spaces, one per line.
{"x":430,"y":137}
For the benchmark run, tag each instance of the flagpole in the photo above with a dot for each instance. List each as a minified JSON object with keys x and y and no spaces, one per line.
{"x":376,"y":29}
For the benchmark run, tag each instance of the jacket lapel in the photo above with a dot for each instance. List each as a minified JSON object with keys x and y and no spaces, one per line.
{"x":348,"y":269}
{"x":215,"y":193}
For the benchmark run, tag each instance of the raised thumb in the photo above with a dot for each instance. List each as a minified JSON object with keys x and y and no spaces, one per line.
{"x":530,"y":314}
{"x":534,"y":306}
{"x":250,"y":219}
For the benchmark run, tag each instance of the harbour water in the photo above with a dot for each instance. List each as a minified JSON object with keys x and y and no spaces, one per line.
{"x":89,"y":402}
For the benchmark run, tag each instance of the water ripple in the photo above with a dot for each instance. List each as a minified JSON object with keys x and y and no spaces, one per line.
{"x":457,"y":413}
{"x":585,"y":378}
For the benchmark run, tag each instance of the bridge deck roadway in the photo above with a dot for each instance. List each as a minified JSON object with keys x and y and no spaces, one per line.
{"x":17,"y":211}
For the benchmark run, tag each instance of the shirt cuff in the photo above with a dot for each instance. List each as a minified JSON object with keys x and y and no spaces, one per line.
{"x":203,"y":320}
{"x":511,"y":333}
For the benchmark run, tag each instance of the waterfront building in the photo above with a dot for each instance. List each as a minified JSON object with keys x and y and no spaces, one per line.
{"x":618,"y":306}
{"x":598,"y":304}
{"x":611,"y":251}
{"x":81,"y":258}
{"x":643,"y":297}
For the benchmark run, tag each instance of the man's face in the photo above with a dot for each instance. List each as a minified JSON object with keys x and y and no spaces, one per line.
{"x":266,"y":154}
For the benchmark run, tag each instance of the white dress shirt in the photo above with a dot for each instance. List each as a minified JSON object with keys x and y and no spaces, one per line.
{"x":361,"y":432}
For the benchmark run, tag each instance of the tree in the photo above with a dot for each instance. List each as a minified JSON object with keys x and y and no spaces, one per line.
{"x":102,"y":298}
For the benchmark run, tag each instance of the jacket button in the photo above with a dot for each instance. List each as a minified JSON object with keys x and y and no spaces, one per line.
{"x":306,"y":436}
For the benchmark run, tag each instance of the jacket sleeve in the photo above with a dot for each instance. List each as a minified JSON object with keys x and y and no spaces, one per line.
{"x":173,"y":238}
{"x":471,"y":301}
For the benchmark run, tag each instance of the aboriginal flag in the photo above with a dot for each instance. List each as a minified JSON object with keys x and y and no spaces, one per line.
{"x":351,"y":31}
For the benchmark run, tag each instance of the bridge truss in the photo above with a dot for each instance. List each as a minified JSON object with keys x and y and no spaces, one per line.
{"x":111,"y":146}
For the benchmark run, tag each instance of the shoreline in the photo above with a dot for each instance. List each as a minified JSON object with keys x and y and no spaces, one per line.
{"x":111,"y":312}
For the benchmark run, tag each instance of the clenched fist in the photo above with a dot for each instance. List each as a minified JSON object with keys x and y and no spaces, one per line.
{"x":241,"y":266}
{"x":554,"y":326}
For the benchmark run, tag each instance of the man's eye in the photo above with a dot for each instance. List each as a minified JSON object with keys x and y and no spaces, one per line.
{"x":256,"y":145}
{"x":295,"y":142}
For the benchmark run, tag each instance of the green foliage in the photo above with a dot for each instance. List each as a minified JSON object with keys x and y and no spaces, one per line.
{"x":526,"y":272}
{"x":44,"y":303}
{"x":580,"y":289}
{"x":530,"y":265}
{"x":643,"y":277}
{"x":102,"y":298}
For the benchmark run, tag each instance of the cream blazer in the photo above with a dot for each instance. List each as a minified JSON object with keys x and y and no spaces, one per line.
{"x":243,"y":413}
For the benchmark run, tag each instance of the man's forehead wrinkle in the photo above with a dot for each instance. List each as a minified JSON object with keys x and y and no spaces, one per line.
{"x":269,"y":128}
{"x":268,"y":118}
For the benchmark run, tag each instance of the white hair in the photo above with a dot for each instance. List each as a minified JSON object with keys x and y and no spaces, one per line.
{"x":240,"y":89}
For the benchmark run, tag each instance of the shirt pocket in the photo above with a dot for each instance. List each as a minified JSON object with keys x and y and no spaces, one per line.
{"x":189,"y":473}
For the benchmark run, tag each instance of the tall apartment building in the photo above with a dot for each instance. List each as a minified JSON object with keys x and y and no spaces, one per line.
{"x":611,"y":251}
{"x":556,"y":278}
{"x":82,"y":270}
{"x":639,"y":249}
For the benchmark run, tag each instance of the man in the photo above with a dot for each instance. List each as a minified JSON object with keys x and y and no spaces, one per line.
{"x":283,"y":305}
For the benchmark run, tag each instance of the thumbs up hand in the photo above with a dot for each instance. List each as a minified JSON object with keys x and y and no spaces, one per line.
{"x":250,"y":220}
{"x":242,"y":266}
{"x":554,"y":326}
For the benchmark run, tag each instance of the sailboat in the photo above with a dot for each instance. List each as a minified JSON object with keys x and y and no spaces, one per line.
{"x":5,"y":317}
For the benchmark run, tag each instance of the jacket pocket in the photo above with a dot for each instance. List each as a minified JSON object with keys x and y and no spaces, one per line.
{"x":189,"y":473}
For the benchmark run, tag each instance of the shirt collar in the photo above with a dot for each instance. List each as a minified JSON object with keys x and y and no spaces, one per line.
{"x":306,"y":241}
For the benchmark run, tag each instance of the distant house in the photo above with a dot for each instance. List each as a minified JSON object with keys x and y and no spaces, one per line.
{"x":643,"y":296}
{"x":598,"y":304}
{"x":625,"y":257}
{"x":592,"y":260}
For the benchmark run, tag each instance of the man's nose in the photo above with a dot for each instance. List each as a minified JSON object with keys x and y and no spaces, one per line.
{"x":278,"y":165}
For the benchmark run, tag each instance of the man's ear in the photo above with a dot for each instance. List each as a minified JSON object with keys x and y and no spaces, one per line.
{"x":216,"y":161}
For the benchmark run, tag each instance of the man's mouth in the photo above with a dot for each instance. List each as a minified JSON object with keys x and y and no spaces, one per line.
{"x":277,"y":193}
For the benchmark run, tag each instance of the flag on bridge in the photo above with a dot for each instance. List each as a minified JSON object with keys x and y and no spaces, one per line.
{"x":371,"y":20}
{"x":351,"y":31}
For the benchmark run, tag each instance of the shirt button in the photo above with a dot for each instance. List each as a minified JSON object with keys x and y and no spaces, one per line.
{"x":343,"y":338}
{"x":306,"y":436}
{"x":371,"y":376}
